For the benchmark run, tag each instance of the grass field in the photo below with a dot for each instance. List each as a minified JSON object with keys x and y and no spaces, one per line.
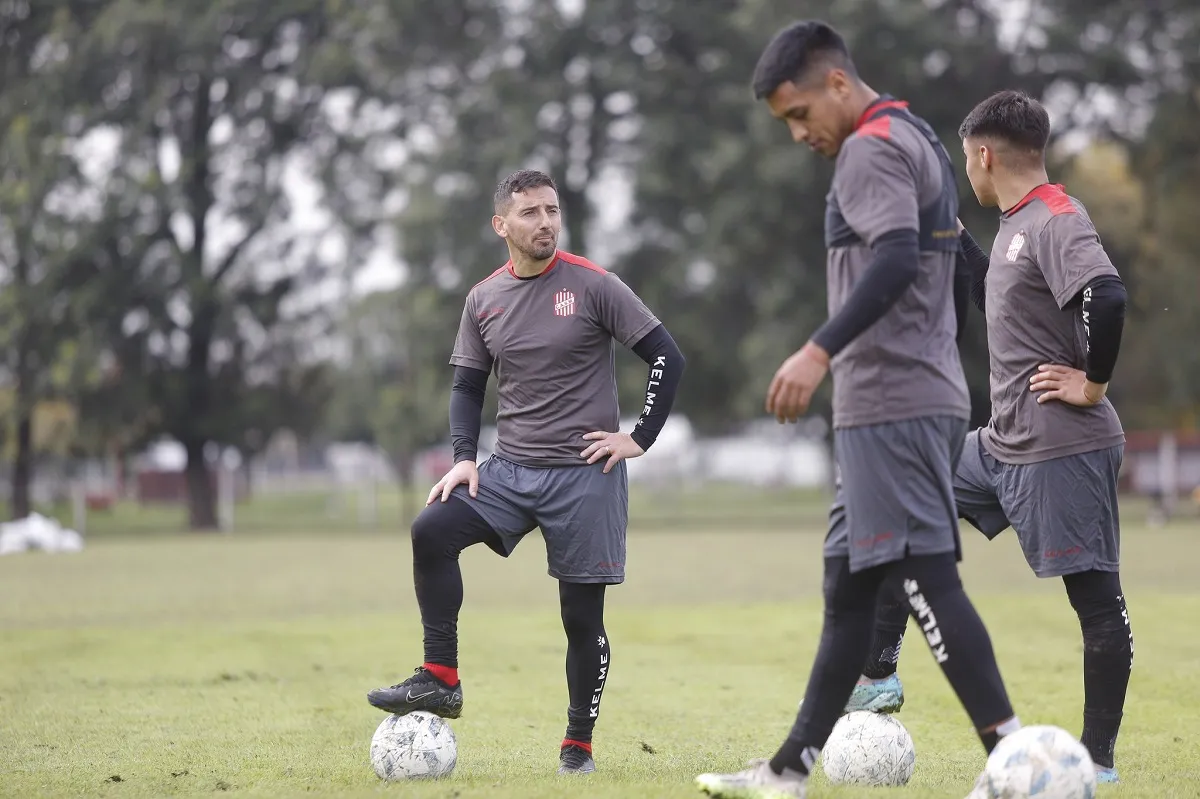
{"x":175,"y":664}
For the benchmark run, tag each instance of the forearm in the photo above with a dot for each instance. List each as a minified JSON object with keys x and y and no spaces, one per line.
{"x":974,"y":261}
{"x":666,"y":363}
{"x":466,"y":411}
{"x":962,"y":294}
{"x":892,"y":271}
{"x":1103,"y":309}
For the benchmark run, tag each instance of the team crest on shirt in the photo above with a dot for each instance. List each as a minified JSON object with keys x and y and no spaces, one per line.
{"x":1014,"y":246}
{"x":564,"y":303}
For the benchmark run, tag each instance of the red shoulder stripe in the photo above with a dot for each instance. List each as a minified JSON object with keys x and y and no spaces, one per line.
{"x":880,"y":127}
{"x":577,"y":260}
{"x":1053,"y":195}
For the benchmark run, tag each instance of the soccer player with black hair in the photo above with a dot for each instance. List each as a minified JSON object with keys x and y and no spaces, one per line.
{"x":545,"y":323}
{"x":1048,"y":460}
{"x":900,"y":403}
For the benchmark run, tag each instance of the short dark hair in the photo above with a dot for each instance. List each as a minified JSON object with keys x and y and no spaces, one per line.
{"x":796,"y":51}
{"x":519,"y":181}
{"x":1013,"y":117}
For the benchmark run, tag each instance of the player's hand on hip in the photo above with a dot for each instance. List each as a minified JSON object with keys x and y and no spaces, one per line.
{"x":1062,"y":383}
{"x":614,"y":446}
{"x":795,"y":383}
{"x":463,"y":473}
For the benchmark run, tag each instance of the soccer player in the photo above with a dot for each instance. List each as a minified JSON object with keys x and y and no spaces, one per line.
{"x":1047,"y":462}
{"x":900,"y":399}
{"x":545,"y":322}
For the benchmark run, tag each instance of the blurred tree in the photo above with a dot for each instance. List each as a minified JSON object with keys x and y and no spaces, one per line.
{"x":215,"y":110}
{"x":1161,"y":362}
{"x":47,"y":353}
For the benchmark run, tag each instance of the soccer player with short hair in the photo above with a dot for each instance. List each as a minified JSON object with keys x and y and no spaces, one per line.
{"x":545,"y":323}
{"x":900,"y":399}
{"x":1047,"y":462}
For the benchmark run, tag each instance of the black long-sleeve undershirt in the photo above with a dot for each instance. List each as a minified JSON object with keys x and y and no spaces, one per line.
{"x":466,"y":411}
{"x":656,"y":348}
{"x":973,"y":262}
{"x":666,"y":362}
{"x":894,"y":267}
{"x":1102,"y":305}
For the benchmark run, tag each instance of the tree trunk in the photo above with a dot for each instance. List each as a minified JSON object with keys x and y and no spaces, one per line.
{"x":202,"y":498}
{"x":22,"y":475}
{"x":405,"y":464}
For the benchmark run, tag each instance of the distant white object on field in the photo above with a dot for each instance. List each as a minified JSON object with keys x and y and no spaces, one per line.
{"x":868,"y":749}
{"x":418,"y":745}
{"x":1043,"y":762}
{"x":36,"y":532}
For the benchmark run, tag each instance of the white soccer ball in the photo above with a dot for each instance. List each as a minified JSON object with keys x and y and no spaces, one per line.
{"x":1043,"y":762}
{"x":868,"y":749}
{"x":417,"y":745}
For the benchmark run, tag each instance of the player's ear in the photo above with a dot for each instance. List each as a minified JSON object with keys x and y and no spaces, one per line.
{"x":987,"y":157}
{"x":499,"y":226}
{"x":838,"y":83}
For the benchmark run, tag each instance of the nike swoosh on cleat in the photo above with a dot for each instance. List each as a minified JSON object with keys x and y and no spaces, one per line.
{"x":415,"y":697}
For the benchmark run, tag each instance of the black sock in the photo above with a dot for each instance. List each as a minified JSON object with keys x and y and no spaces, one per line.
{"x":439,"y":535}
{"x":588,"y":657}
{"x":1107,"y":658}
{"x":958,"y":640}
{"x":845,"y":636}
{"x":891,"y":620}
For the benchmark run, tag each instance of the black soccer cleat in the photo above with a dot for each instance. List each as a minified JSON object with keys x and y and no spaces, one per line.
{"x":575,"y":760}
{"x":422,"y":691}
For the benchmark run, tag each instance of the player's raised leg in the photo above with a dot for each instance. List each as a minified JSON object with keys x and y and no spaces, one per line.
{"x":879,"y":689}
{"x":439,"y":535}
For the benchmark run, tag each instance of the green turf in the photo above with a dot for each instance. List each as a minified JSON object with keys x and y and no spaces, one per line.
{"x":238,"y":665}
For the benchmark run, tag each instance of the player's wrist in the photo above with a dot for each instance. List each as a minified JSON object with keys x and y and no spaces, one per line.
{"x":815,"y":351}
{"x":1094,"y":390}
{"x":641,"y":439}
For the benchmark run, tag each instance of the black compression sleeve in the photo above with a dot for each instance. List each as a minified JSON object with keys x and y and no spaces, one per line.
{"x":466,"y":411}
{"x":1103,"y":310}
{"x":962,"y":294}
{"x":666,"y":362}
{"x":892,"y":271}
{"x":976,"y":262}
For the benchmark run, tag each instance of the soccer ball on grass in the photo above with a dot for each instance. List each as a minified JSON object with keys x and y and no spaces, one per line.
{"x":868,"y":749}
{"x":1043,"y":762}
{"x":417,"y":745}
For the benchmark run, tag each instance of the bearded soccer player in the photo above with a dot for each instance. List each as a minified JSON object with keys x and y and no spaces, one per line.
{"x":1047,"y":462}
{"x":545,"y":322}
{"x":899,"y":396}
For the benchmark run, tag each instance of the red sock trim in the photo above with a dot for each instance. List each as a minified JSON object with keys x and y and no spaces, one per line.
{"x":447,"y":674}
{"x":587,"y":747}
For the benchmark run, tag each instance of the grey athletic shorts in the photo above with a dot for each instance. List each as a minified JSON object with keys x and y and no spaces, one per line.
{"x":583,"y":514}
{"x":895,"y":492}
{"x":1064,"y":510}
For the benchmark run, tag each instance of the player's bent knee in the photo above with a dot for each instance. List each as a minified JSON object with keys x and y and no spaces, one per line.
{"x":1100,"y":604}
{"x":426,"y":529}
{"x":444,"y":529}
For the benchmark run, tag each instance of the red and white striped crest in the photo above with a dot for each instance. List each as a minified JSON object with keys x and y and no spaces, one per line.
{"x":564,"y":303}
